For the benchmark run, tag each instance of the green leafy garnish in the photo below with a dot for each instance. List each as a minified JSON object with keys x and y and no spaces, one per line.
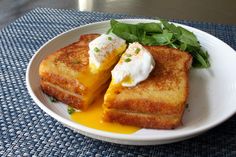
{"x":109,"y":38}
{"x":137,"y":50}
{"x":163,"y":33}
{"x":96,"y":49}
{"x":127,"y":60}
{"x":52,"y":99}
{"x":70,"y":110}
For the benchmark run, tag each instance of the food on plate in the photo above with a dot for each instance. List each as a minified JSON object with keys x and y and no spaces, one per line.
{"x":163,"y":33}
{"x":149,"y":85}
{"x":134,"y":66}
{"x":93,"y":118}
{"x":157,"y":102}
{"x":65,"y":74}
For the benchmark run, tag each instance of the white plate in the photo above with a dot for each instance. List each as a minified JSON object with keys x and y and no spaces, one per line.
{"x":212,"y":97}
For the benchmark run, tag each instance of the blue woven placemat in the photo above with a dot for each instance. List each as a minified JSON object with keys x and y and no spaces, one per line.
{"x":25,"y":130}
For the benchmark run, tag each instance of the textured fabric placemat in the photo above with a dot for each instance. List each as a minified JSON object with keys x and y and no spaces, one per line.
{"x":25,"y":130}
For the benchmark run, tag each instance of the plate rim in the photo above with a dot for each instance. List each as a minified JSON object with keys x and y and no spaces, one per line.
{"x":116,"y":136}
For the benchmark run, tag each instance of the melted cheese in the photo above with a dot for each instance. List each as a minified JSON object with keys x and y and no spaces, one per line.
{"x":92,"y":118}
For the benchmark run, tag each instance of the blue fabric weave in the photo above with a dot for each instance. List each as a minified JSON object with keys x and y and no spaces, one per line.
{"x":25,"y":130}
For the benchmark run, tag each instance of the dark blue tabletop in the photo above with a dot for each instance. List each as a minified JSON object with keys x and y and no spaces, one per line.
{"x":26,"y":130}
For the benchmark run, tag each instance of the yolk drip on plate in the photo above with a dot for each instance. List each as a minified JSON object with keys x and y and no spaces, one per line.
{"x":92,"y":118}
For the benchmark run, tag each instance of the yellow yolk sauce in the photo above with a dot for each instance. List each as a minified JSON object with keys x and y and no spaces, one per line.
{"x":92,"y":117}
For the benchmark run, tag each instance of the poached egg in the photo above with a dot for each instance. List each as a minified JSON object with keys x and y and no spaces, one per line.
{"x":134,"y":66}
{"x":104,"y":51}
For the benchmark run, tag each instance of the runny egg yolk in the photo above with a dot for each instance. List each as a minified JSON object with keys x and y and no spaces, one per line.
{"x":92,"y":117}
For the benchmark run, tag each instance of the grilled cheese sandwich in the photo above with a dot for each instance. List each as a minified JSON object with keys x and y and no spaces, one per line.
{"x":155,"y":98}
{"x":157,"y":102}
{"x":65,"y":74}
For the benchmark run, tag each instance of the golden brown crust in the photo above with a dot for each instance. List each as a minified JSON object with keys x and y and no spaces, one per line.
{"x":169,"y":75}
{"x":62,"y":95}
{"x":146,"y":106}
{"x":164,"y":93}
{"x":86,"y":38}
{"x":70,"y":56}
{"x":71,"y":85}
{"x":72,"y":59}
{"x":143,"y":120}
{"x":60,"y":73}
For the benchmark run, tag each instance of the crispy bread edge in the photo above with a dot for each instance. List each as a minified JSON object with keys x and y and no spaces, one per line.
{"x":72,"y":99}
{"x":149,"y":106}
{"x":145,"y":117}
{"x":62,"y":95}
{"x":143,"y":120}
{"x":67,"y":91}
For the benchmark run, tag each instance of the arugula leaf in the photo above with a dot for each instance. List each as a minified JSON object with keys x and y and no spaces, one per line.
{"x":128,"y":32}
{"x":163,"y":33}
{"x":113,"y":22}
{"x":200,"y":57}
{"x":150,"y":27}
{"x":188,"y":37}
{"x":128,"y":36}
{"x":163,"y":39}
{"x":203,"y":58}
{"x":171,"y":28}
{"x":183,"y":46}
{"x":148,"y":40}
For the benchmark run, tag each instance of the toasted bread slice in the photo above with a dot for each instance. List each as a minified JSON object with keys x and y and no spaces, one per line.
{"x":157,"y":102}
{"x":65,"y":75}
